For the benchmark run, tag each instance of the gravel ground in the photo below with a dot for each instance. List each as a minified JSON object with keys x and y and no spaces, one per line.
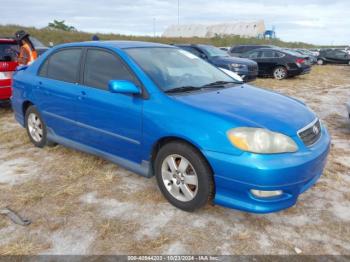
{"x":81,"y":204}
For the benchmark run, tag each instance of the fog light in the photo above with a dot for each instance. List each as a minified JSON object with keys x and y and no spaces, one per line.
{"x":261,"y":193}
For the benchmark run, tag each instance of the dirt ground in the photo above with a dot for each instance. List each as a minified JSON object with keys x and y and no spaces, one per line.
{"x":81,"y":204}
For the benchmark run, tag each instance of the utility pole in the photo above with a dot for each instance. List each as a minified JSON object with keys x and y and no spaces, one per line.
{"x":154,"y":27}
{"x":178,"y":12}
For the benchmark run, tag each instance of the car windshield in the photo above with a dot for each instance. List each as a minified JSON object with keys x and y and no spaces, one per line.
{"x":8,"y":52}
{"x":213,"y":51}
{"x":172,"y":68}
{"x":36,"y":42}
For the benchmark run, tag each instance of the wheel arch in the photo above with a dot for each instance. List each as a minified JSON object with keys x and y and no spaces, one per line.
{"x":168,"y":139}
{"x":25,"y":105}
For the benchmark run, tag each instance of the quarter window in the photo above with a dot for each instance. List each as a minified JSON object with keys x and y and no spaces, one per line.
{"x":101,"y":67}
{"x":63,"y":65}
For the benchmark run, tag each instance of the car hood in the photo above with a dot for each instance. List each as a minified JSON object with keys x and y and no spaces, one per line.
{"x":232,"y":60}
{"x":246,"y":105}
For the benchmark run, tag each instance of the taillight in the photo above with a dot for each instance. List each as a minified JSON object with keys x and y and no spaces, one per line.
{"x":300,"y":61}
{"x":5,"y":75}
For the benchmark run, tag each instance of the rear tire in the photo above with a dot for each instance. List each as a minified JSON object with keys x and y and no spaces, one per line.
{"x":183,"y":176}
{"x":36,"y":128}
{"x":280,"y":73}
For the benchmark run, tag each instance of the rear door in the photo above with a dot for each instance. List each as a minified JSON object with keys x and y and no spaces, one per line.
{"x":255,"y":55}
{"x":56,"y":91}
{"x":340,"y":57}
{"x":267,"y":61}
{"x":108,"y":122}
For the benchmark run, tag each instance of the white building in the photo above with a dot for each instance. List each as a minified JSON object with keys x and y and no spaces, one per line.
{"x":243,"y":29}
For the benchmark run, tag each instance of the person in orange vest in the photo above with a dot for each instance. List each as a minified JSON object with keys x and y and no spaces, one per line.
{"x":27,"y":53}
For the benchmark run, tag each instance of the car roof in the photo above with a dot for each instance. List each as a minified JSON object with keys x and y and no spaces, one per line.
{"x":116,"y":44}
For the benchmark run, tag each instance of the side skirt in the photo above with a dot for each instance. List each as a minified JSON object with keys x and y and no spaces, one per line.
{"x":142,"y":169}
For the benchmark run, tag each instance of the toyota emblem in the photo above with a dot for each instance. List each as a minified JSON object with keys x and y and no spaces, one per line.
{"x":315,"y":130}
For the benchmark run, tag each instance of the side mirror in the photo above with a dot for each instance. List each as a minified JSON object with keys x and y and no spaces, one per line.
{"x":203,"y":56}
{"x":123,"y":87}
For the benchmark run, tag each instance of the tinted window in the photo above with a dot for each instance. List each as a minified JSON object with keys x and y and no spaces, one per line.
{"x":191,"y":50}
{"x":101,"y":67}
{"x":44,"y":68}
{"x":64,"y":65}
{"x":253,"y":54}
{"x":340,"y":54}
{"x":8,"y":52}
{"x":279,"y":54}
{"x":237,"y":49}
{"x":267,"y":54}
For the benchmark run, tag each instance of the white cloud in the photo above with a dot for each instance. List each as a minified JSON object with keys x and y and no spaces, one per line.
{"x":314,"y":21}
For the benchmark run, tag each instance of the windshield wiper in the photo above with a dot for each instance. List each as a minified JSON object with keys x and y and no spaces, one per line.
{"x":182,"y":89}
{"x":219,"y":84}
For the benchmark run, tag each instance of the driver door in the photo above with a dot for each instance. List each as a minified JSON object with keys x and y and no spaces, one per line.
{"x":108,"y":122}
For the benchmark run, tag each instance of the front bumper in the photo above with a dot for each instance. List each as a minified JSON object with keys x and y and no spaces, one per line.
{"x":293,"y":173}
{"x":247,"y":75}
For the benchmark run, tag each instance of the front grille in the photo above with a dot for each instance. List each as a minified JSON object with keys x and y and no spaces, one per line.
{"x":311,"y":133}
{"x":252,"y":68}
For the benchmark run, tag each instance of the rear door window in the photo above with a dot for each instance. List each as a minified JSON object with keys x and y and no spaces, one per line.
{"x":102,"y":66}
{"x":268,"y":54}
{"x":63,"y":65}
{"x":237,"y":49}
{"x":8,"y":52}
{"x":340,"y":54}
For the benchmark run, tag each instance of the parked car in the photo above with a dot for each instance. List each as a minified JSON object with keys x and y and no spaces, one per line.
{"x":315,"y":52}
{"x":240,"y":50}
{"x":279,"y":63}
{"x":225,"y":48}
{"x":8,"y":62}
{"x":245,"y":68}
{"x":309,"y":54}
{"x":333,"y":56}
{"x":157,"y":110}
{"x":39,"y":46}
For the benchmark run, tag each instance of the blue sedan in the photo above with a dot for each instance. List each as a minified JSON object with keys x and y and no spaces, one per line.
{"x":158,"y":110}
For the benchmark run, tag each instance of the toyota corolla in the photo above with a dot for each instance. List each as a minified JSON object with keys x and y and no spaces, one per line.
{"x":160,"y":111}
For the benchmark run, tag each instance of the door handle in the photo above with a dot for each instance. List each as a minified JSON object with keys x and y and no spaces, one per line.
{"x":39,"y":84}
{"x":82,"y":95}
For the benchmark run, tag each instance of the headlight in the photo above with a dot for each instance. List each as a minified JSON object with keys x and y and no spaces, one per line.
{"x":238,"y":66}
{"x":261,"y":141}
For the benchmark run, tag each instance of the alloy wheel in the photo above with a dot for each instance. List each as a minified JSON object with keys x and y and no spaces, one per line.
{"x":279,"y":73}
{"x":179,"y":178}
{"x":35,"y":127}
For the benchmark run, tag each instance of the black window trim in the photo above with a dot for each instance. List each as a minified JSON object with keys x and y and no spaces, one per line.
{"x":144,"y":94}
{"x":47,"y":59}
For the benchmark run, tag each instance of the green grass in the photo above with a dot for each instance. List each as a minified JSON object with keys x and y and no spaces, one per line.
{"x":58,"y":37}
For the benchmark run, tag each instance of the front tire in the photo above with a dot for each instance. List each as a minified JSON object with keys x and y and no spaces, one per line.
{"x":280,"y":73}
{"x":320,"y":62}
{"x":183,"y":176}
{"x":36,"y":128}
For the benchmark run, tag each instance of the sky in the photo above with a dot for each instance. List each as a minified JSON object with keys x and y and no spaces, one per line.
{"x":323,"y":22}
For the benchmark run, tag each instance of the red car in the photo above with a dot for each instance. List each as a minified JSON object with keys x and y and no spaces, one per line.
{"x":9,"y":50}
